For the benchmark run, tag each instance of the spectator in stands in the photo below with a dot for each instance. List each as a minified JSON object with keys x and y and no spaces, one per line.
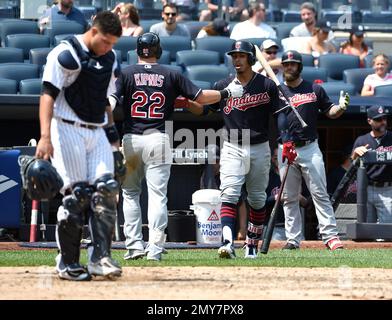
{"x":169,"y":26}
{"x":218,"y":27}
{"x":269,"y":48}
{"x":129,"y":18}
{"x":309,"y":18}
{"x":381,"y":76}
{"x":63,"y":10}
{"x":187,"y":9}
{"x":318,"y":43}
{"x":254,"y":27}
{"x":234,"y":10}
{"x":356,"y":45}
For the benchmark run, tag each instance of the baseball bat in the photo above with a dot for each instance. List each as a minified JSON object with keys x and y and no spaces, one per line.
{"x":273,"y":77}
{"x":267,"y":235}
{"x":344,"y":183}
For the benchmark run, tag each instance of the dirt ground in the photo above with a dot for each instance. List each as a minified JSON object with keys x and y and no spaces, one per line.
{"x":172,"y":283}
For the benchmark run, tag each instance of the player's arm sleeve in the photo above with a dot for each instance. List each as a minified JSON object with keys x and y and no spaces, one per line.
{"x":115,"y":97}
{"x":325,"y":104}
{"x":186,"y":88}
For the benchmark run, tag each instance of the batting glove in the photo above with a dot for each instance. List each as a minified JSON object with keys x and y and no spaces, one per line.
{"x":344,"y":100}
{"x":235,"y":89}
{"x":289,"y":152}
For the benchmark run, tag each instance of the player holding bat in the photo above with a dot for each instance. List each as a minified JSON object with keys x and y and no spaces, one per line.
{"x":307,"y":99}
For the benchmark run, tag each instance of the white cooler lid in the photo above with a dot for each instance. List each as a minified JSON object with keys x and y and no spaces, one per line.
{"x":206,"y":196}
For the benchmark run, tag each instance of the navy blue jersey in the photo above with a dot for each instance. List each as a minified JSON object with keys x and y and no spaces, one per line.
{"x":149,"y":92}
{"x":308,"y":99}
{"x":377,"y":172}
{"x":251,"y":111}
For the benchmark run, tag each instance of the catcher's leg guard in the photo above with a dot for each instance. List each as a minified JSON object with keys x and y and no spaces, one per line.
{"x":102,"y":220}
{"x":70,"y":222}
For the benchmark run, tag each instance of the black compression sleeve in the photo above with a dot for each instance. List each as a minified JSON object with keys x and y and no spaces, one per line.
{"x":50,"y":89}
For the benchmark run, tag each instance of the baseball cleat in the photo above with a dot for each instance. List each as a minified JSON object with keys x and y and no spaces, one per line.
{"x":154,"y":257}
{"x":334,"y":244}
{"x":226,"y":251}
{"x":250,"y":252}
{"x":134,"y":254}
{"x":73,"y":272}
{"x":290,"y":246}
{"x":106,"y":267}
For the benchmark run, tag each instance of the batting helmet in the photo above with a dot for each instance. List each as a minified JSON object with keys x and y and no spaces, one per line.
{"x":244,"y":47}
{"x":149,"y":45}
{"x":40,"y":179}
{"x":292,"y":56}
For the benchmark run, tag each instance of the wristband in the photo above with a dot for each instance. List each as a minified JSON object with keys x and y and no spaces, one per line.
{"x":112,"y":133}
{"x":224,"y":94}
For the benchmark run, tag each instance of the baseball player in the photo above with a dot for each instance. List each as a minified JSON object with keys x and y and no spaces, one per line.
{"x":78,"y":78}
{"x":245,"y":156}
{"x":379,"y":189}
{"x":149,"y":92}
{"x":308,"y":99}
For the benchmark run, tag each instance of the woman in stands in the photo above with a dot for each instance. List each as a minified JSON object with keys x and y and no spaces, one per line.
{"x":356,"y":45}
{"x":381,"y":76}
{"x":218,"y":27}
{"x":129,"y":18}
{"x":318,"y":44}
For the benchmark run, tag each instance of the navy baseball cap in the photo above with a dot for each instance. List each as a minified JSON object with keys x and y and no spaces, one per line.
{"x":324,"y":25}
{"x":375,"y":112}
{"x":358,"y":30}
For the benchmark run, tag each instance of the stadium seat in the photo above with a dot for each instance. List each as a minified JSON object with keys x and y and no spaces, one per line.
{"x":356,"y":77}
{"x":206,"y":73}
{"x":218,"y":44}
{"x":334,"y":88}
{"x":8,"y":86}
{"x":369,"y":61}
{"x":384,"y":17}
{"x":186,"y":58}
{"x":125,"y":44}
{"x":311,"y":74}
{"x":88,"y":11}
{"x":133,"y":58}
{"x":11,"y":55}
{"x":292,"y":16}
{"x":19,"y":71}
{"x":17,"y":26}
{"x":336,"y":63}
{"x":147,"y":23}
{"x":174,"y":44}
{"x":30,"y":86}
{"x":307,"y":60}
{"x":173,"y":67}
{"x":60,"y":37}
{"x":205,"y":85}
{"x":26,"y":42}
{"x":194,"y":27}
{"x":283,"y":29}
{"x":38,"y":55}
{"x":383,"y":91}
{"x":63,"y":27}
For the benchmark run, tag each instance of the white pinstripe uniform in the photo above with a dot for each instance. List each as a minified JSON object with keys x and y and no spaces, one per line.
{"x":80,"y":154}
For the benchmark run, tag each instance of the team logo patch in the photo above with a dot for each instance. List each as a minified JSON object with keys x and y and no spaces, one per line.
{"x":238,"y":45}
{"x":213,"y":216}
{"x":290,"y":55}
{"x":380,"y":110}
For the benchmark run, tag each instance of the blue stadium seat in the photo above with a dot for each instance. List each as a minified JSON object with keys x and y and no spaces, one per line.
{"x":307,"y":60}
{"x":311,"y":74}
{"x":63,"y":27}
{"x":147,"y":23}
{"x":88,"y":11}
{"x":19,"y":71}
{"x":204,"y":85}
{"x":383,"y":91}
{"x":334,"y":88}
{"x":218,"y":44}
{"x":30,"y":86}
{"x":283,"y":29}
{"x":356,"y":77}
{"x":173,"y":67}
{"x":125,"y":44}
{"x":38,"y":55}
{"x":8,"y":86}
{"x":16,"y":27}
{"x":194,"y":27}
{"x":11,"y":55}
{"x":174,"y":44}
{"x":292,"y":16}
{"x":26,"y":42}
{"x":133,"y":58}
{"x":380,"y":17}
{"x":336,"y":63}
{"x":186,"y":58}
{"x":60,"y":37}
{"x":206,"y":73}
{"x":369,"y":61}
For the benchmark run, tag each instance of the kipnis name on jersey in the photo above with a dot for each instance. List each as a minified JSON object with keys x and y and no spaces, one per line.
{"x":147,"y":79}
{"x":246,"y":101}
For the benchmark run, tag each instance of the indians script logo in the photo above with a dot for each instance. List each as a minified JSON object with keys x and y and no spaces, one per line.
{"x":246,"y":101}
{"x":300,"y":99}
{"x":6,"y":183}
{"x":213,"y":217}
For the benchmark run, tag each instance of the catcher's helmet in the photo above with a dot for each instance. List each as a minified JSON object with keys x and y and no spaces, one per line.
{"x":292,"y":56}
{"x":148,"y":45}
{"x":244,"y":47}
{"x":40,"y":179}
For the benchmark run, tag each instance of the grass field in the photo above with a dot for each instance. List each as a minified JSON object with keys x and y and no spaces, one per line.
{"x":356,"y":258}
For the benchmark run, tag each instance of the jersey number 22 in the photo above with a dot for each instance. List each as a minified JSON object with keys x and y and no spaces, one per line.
{"x":155,"y":101}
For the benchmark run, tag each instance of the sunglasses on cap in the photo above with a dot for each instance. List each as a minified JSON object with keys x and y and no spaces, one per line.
{"x":170,"y":14}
